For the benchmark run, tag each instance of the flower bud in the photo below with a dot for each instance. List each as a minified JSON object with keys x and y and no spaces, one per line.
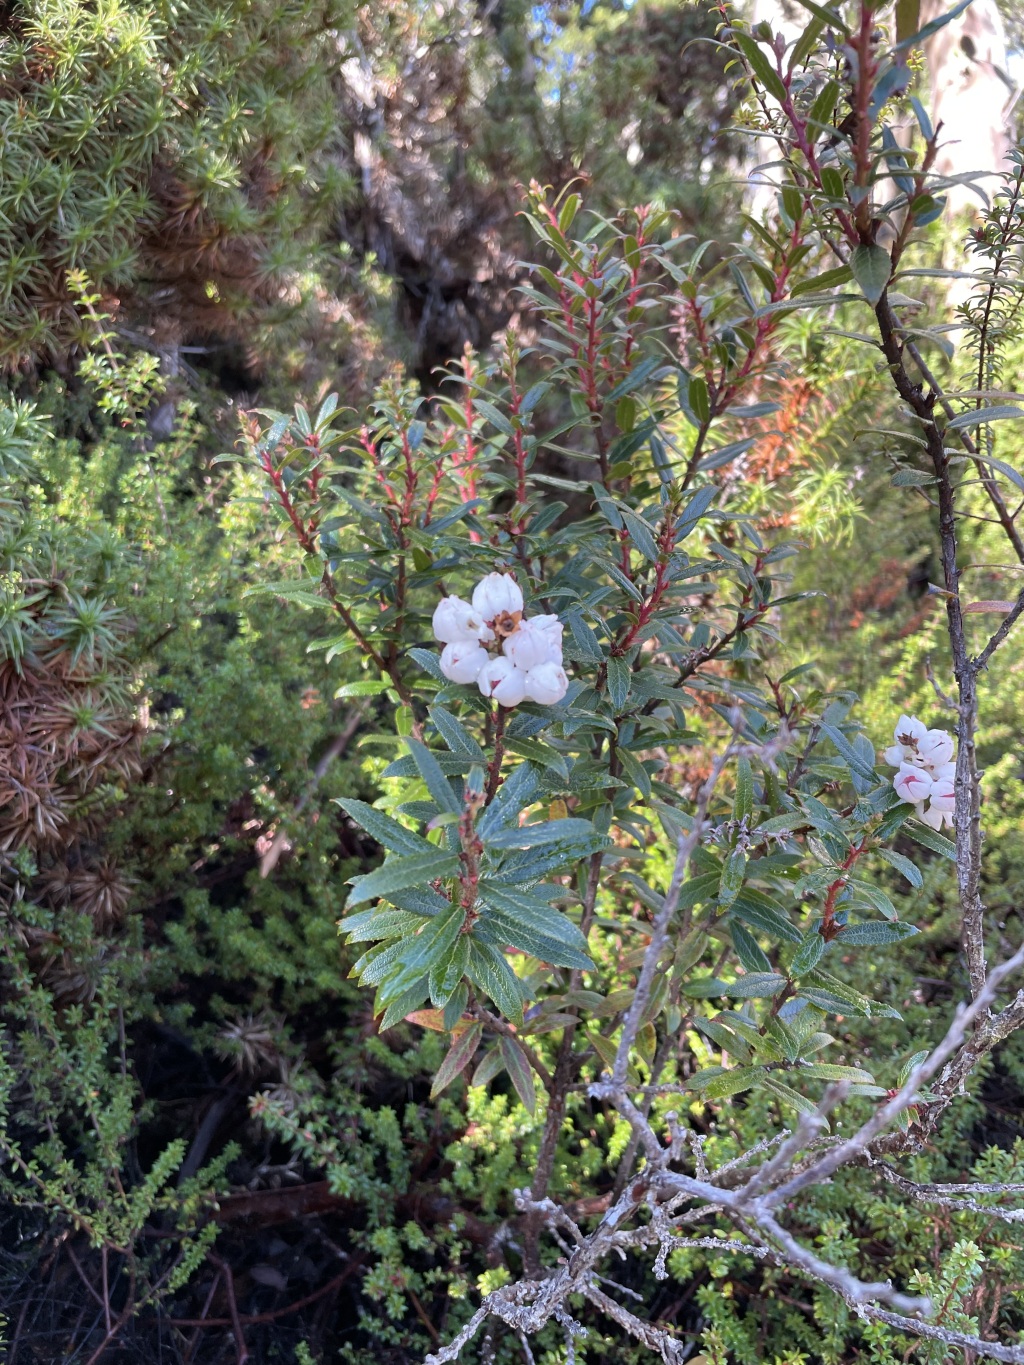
{"x":909,"y":730}
{"x":546,"y":684}
{"x":943,"y":794}
{"x":497,"y":594}
{"x":895,"y":755}
{"x":535,"y":641}
{"x":455,"y":619}
{"x":462,"y":660}
{"x":912,"y":784}
{"x":935,"y":748}
{"x":500,"y":679}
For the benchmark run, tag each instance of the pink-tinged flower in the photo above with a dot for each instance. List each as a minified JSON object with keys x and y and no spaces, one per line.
{"x":496,"y":595}
{"x":909,"y":730}
{"x":537,"y":640}
{"x":948,"y":770}
{"x":912,"y":784}
{"x":934,"y":816}
{"x":462,"y":660}
{"x":499,"y":678}
{"x":546,"y":684}
{"x":455,"y":619}
{"x":935,"y":748}
{"x":896,"y":754}
{"x":943,"y":794}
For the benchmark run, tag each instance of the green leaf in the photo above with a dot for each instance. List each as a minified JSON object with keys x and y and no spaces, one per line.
{"x":532,"y":927}
{"x":930,"y":838}
{"x":761,"y":912}
{"x":407,"y":1002}
{"x":874,"y":934}
{"x":911,"y":478}
{"x":542,"y":754}
{"x":584,"y":637}
{"x":871,"y":268}
{"x":447,"y":970}
{"x":808,"y":955}
{"x":459,"y":1056}
{"x":980,"y":416}
{"x":489,"y":971}
{"x":752,"y":959}
{"x":1007,"y":470}
{"x":430,"y":770}
{"x":640,"y":533}
{"x":828,"y":1002}
{"x":707,"y":988}
{"x":732,"y":878}
{"x":826,"y":1071}
{"x":494,"y":416}
{"x":421,"y":953}
{"x":694,"y":510}
{"x":397,"y":873}
{"x":903,"y":865}
{"x":619,"y":679}
{"x":638,"y":775}
{"x":756,"y":986}
{"x":519,"y":1072}
{"x":549,"y":832}
{"x":388,"y":833}
{"x":826,"y":14}
{"x":845,"y":749}
{"x":874,"y":896}
{"x":700,"y":404}
{"x":455,"y":735}
{"x":370,"y":925}
{"x":635,"y":378}
{"x":786,"y":1093}
{"x":828,"y":279}
{"x":760,"y":66}
{"x":743,"y":802}
{"x":365,"y":687}
{"x":730,"y":1082}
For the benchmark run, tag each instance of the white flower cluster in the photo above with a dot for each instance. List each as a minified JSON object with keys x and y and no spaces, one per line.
{"x":529,"y":667}
{"x":926,"y":770}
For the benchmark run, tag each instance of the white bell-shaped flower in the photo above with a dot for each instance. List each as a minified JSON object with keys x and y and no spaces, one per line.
{"x":496,"y":595}
{"x":546,"y":684}
{"x":912,"y":784}
{"x":500,"y":679}
{"x":537,"y":640}
{"x":909,"y":731}
{"x":935,"y":748}
{"x":455,"y":619}
{"x":896,"y":754}
{"x":462,"y":660}
{"x":943,"y":794}
{"x":935,"y":816}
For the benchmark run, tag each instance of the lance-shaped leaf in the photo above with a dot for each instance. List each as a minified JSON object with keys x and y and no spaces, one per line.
{"x":459,"y":1056}
{"x":569,"y":831}
{"x":388,"y":833}
{"x":529,"y":924}
{"x":489,"y":971}
{"x":871,"y":268}
{"x":430,"y":770}
{"x":398,"y":873}
{"x":519,"y":1072}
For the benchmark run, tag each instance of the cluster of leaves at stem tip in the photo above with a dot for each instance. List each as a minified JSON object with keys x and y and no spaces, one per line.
{"x":591,"y":468}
